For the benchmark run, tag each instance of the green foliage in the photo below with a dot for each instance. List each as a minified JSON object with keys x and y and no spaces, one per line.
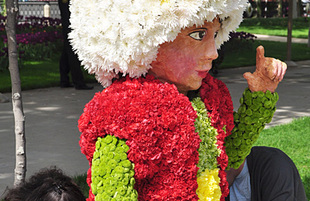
{"x":3,"y":8}
{"x":275,"y":26}
{"x":39,"y":51}
{"x":80,"y":180}
{"x":293,"y":139}
{"x":256,"y":109}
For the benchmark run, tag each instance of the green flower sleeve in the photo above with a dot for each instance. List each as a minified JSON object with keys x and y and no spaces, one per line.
{"x":112,"y":173}
{"x":256,"y":109}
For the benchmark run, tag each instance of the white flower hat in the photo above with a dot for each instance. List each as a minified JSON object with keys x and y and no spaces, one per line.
{"x":123,"y":36}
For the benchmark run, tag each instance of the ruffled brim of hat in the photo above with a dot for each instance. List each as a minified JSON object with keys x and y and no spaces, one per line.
{"x":123,"y":37}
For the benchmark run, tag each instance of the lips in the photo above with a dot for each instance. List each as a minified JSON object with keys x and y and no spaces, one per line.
{"x":202,"y":74}
{"x":203,"y":68}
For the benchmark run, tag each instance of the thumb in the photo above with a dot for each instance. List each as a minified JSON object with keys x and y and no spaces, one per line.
{"x":250,"y":80}
{"x":248,"y":76}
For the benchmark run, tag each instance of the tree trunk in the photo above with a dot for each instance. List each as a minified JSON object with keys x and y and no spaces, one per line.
{"x":309,"y":37}
{"x":259,"y":8}
{"x":10,"y":27}
{"x":289,"y":30}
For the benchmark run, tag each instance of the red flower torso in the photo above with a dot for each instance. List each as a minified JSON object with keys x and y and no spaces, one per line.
{"x":158,"y":124}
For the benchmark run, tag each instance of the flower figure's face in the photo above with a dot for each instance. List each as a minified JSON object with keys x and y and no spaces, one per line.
{"x":187,"y":60}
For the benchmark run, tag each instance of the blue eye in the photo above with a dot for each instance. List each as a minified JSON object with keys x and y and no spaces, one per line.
{"x":197,"y":35}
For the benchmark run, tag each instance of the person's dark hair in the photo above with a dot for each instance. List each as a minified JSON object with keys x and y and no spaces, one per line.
{"x":47,"y":185}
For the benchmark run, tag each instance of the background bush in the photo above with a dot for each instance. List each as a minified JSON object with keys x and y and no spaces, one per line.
{"x":37,"y":39}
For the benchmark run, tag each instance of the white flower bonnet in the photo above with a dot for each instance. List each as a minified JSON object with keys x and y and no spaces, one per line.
{"x":123,"y":36}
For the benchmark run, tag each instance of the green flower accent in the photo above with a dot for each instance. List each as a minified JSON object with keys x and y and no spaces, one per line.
{"x":112,"y":173}
{"x":208,"y":151}
{"x":255,"y":111}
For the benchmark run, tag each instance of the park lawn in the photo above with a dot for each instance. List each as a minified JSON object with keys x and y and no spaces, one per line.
{"x":292,"y":138}
{"x":247,"y":56}
{"x":37,"y":74}
{"x":276,"y":26}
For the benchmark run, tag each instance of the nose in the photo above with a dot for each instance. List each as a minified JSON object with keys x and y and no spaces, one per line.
{"x":210,"y":50}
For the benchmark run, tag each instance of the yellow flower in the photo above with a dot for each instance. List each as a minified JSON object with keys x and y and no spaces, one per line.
{"x":209,"y":185}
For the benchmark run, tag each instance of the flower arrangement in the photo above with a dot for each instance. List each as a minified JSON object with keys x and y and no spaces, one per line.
{"x":217,"y":99}
{"x":242,"y":35}
{"x":208,"y":174}
{"x":161,"y":128}
{"x":36,"y":37}
{"x":208,"y":150}
{"x":158,"y":124}
{"x":112,"y":37}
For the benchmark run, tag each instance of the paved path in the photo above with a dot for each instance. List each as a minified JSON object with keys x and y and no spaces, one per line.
{"x":280,"y":39}
{"x":52,"y":115}
{"x":294,"y":90}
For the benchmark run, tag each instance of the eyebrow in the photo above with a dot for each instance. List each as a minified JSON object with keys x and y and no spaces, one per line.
{"x":198,"y":28}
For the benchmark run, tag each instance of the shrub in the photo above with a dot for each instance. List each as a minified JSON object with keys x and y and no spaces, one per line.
{"x":37,"y":38}
{"x":237,"y":42}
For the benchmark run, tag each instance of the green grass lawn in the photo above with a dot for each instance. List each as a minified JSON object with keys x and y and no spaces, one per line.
{"x":37,"y":74}
{"x":275,"y":26}
{"x":247,"y":56}
{"x":292,"y":138}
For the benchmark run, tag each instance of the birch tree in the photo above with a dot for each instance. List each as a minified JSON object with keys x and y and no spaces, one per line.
{"x":259,"y":8}
{"x":307,"y":13}
{"x":20,"y":144}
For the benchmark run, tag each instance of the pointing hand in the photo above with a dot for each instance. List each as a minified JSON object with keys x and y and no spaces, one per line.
{"x":269,"y":72}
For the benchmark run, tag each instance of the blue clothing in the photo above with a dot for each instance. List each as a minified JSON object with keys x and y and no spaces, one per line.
{"x":241,"y":188}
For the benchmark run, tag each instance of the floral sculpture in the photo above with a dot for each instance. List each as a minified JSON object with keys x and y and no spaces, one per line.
{"x":143,"y":137}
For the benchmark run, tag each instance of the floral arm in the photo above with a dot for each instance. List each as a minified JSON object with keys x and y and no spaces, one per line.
{"x":257,"y":106}
{"x":111,"y":170}
{"x":255,"y":111}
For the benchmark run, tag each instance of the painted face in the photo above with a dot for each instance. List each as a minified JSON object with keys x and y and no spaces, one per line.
{"x":187,"y":60}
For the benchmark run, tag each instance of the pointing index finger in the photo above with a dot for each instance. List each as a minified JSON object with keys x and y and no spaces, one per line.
{"x":260,"y":57}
